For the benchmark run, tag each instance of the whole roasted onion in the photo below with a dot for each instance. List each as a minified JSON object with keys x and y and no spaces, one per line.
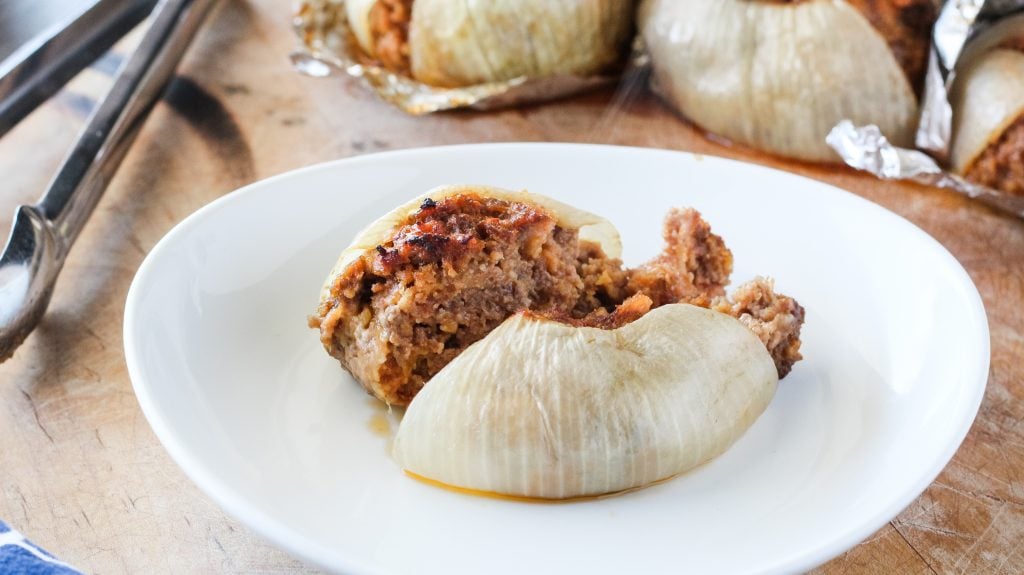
{"x":778,"y":75}
{"x":453,"y":43}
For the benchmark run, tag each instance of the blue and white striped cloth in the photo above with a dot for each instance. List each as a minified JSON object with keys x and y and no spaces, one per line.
{"x":19,"y":556}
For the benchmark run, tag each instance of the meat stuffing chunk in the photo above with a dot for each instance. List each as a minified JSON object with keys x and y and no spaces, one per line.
{"x":775,"y":319}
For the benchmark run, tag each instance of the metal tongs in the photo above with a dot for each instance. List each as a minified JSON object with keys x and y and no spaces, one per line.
{"x":43,"y":233}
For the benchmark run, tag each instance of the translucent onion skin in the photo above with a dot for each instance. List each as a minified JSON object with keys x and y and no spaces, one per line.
{"x":541,"y":409}
{"x":461,"y":43}
{"x":777,"y":76}
{"x":987,"y":98}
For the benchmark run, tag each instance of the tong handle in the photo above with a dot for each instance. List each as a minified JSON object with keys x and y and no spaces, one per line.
{"x":90,"y":165}
{"x":37,"y":70}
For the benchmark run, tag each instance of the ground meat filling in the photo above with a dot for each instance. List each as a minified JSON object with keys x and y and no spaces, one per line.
{"x":1001,"y":165}
{"x":389,"y":25}
{"x":635,"y":307}
{"x":604,"y":281}
{"x":775,"y":319}
{"x":461,"y":265}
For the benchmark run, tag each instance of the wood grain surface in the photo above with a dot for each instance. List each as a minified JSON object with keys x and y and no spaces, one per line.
{"x":83,"y":475}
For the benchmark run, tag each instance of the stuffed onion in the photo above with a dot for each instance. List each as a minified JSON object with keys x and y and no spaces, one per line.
{"x":452,"y":43}
{"x":432,"y":277}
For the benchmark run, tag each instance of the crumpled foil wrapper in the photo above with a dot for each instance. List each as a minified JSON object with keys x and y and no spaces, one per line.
{"x":963,"y":26}
{"x":330,"y":47}
{"x":866,"y":148}
{"x":961,"y":22}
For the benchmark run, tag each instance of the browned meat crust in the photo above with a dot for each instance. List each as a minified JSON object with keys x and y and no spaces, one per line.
{"x":1001,"y":165}
{"x":775,"y":319}
{"x":460,"y":266}
{"x":389,"y":25}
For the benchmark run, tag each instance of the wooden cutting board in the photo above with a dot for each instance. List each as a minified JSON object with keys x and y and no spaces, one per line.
{"x":82,"y":474}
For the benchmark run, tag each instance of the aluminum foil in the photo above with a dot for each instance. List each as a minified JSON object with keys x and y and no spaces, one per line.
{"x":961,"y":23}
{"x":866,"y":148}
{"x":964,"y":29}
{"x":329,"y":47}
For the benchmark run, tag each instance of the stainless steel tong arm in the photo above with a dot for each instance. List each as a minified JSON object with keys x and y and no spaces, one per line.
{"x":43,"y":233}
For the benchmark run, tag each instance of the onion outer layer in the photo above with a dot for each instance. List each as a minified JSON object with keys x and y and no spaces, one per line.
{"x":777,"y":76}
{"x":541,"y":409}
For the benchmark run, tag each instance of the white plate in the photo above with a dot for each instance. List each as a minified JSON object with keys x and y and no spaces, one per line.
{"x":245,"y":400}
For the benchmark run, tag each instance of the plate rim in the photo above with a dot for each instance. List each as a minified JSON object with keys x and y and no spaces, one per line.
{"x":280,"y":535}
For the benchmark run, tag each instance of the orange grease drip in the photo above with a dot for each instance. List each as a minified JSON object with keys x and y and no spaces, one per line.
{"x":522,"y":499}
{"x":379,"y":425}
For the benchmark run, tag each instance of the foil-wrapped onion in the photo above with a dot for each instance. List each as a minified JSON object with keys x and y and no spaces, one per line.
{"x":452,"y":43}
{"x":542,"y":409}
{"x":778,"y":75}
{"x":988,"y":121}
